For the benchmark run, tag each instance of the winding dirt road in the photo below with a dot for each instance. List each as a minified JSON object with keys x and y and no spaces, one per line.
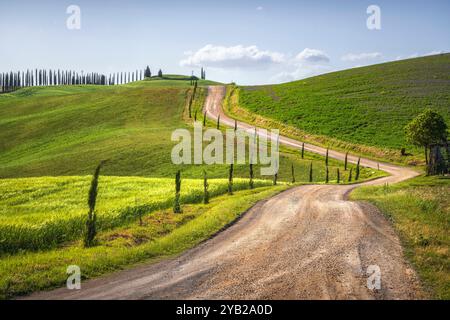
{"x":306,"y":243}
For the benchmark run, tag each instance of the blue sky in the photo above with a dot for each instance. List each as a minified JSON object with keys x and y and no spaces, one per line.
{"x":249,"y":42}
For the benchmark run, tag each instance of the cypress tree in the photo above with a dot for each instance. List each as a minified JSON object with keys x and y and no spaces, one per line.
{"x":326,"y":158}
{"x":293,"y":173}
{"x":218,"y":122}
{"x":195,"y":116}
{"x":230,"y":180}
{"x":338,"y":175}
{"x":176,"y":204}
{"x":251,"y":176}
{"x":346,"y":161}
{"x":91,"y":229}
{"x":303,"y":150}
{"x":235,"y":124}
{"x":327,"y":176}
{"x":357,"y":169}
{"x":160,"y":73}
{"x":275,"y":178}
{"x":204,"y":119}
{"x":311,"y":172}
{"x":350,"y":175}
{"x":205,"y":188}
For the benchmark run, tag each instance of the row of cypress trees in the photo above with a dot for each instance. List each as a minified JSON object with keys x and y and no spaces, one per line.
{"x":10,"y":81}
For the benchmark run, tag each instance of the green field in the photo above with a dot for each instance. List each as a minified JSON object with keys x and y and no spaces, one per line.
{"x":420,"y":212}
{"x":362,"y":109}
{"x":162,"y":234}
{"x":40,"y":213}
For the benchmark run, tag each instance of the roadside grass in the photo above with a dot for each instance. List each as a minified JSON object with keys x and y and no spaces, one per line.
{"x":41,"y":213}
{"x":362,"y":109}
{"x":420,"y":212}
{"x":163,"y":234}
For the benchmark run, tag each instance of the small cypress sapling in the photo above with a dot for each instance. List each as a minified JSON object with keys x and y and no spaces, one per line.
{"x":327,"y":175}
{"x":346,"y":161}
{"x":326,"y":158}
{"x":230,"y":180}
{"x":204,"y":119}
{"x":251,"y":176}
{"x":205,"y":188}
{"x":293,"y":173}
{"x":176,"y":204}
{"x":311,"y":172}
{"x":338,"y":176}
{"x":357,"y":169}
{"x":350,"y":175}
{"x":303,"y":150}
{"x":218,"y":122}
{"x":91,"y":228}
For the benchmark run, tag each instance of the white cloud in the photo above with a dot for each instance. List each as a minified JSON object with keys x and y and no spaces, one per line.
{"x":312,"y":56}
{"x":232,"y":57}
{"x":259,"y":8}
{"x":361,"y":56}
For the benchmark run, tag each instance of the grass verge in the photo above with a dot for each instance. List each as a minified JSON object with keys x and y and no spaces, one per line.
{"x":420,"y":212}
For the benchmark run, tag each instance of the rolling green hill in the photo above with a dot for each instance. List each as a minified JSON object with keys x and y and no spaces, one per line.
{"x":56,"y":131}
{"x":362,"y":109}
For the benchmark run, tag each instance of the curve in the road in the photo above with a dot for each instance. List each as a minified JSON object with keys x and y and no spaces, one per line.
{"x":306,"y":243}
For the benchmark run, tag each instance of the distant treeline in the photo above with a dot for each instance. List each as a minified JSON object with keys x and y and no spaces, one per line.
{"x":10,"y":81}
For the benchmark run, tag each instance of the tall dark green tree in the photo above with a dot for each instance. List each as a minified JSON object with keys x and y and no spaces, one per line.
{"x":160,"y":73}
{"x":218,"y":122}
{"x":350,"y":175}
{"x":204,"y":119}
{"x":357,"y":169}
{"x":327,"y":175}
{"x":338,"y":176}
{"x":346,"y":161}
{"x":303,"y":150}
{"x":205,"y":188}
{"x":293,"y":173}
{"x":251,"y":176}
{"x":311,"y":172}
{"x":91,"y":222}
{"x":326,"y":158}
{"x":230,"y":180}
{"x":176,"y":204}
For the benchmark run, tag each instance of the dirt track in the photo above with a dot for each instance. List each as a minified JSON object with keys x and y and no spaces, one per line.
{"x":305,"y":243}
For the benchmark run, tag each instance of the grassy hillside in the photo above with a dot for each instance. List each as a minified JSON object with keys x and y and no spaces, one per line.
{"x":420,"y":211}
{"x":54,"y":131}
{"x":366,"y":107}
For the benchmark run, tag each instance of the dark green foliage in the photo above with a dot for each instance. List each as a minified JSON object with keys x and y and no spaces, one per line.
{"x":230,"y":180}
{"x":303,"y":150}
{"x":160,"y":74}
{"x":338,"y":176}
{"x":350,"y":175}
{"x":147,"y":73}
{"x":176,"y":204}
{"x":195,"y":116}
{"x":204,"y":119}
{"x":218,"y":122}
{"x":357,"y":169}
{"x":327,"y":175}
{"x":205,"y":188}
{"x":346,"y":161}
{"x":311,"y":172}
{"x":91,"y":229}
{"x":275,"y":179}
{"x":326,"y":158}
{"x":293,"y":173}
{"x":251,"y":176}
{"x":426,"y":129}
